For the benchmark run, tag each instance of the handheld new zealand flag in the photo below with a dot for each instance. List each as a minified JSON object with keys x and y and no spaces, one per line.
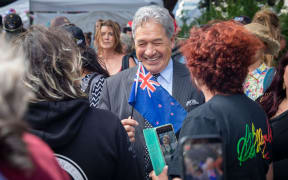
{"x":153,"y":102}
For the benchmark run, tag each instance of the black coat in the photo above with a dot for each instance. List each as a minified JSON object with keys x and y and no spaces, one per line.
{"x":89,"y":143}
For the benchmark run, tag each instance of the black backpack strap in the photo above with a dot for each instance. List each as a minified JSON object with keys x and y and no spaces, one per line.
{"x":125,"y":62}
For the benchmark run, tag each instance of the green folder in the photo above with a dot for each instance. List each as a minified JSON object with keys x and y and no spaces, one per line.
{"x":154,"y":149}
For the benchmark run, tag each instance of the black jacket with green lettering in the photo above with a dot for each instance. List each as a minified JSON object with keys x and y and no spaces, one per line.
{"x":245,"y":133}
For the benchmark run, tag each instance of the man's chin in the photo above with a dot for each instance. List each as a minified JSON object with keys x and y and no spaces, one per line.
{"x":153,"y":69}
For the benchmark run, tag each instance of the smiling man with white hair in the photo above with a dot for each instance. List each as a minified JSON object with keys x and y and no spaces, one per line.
{"x":152,"y":30}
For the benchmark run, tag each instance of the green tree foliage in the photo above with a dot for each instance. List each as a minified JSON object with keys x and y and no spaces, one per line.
{"x":228,"y":9}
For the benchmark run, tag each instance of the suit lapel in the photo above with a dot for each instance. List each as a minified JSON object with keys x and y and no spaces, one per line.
{"x":130,"y":80}
{"x":181,"y":83}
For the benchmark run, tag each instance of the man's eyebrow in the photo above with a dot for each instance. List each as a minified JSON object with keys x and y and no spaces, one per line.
{"x":140,"y":41}
{"x":159,"y":39}
{"x":154,"y":40}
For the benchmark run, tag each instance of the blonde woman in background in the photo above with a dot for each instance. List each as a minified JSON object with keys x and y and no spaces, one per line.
{"x":96,"y":26}
{"x":260,"y":75}
{"x":268,"y":18}
{"x":109,"y":47}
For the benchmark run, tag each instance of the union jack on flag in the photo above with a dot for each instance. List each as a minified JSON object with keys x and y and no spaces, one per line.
{"x":153,"y":102}
{"x":146,"y":81}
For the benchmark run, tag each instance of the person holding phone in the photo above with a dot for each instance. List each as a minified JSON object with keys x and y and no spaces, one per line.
{"x":218,"y":57}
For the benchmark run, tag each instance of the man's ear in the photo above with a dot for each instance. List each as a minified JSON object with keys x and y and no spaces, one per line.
{"x":172,"y":42}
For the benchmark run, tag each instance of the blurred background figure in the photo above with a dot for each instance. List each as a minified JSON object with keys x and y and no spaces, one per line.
{"x":92,"y":72}
{"x":260,"y":74}
{"x":11,"y":11}
{"x":275,"y":104}
{"x":109,"y":47}
{"x":59,"y":21}
{"x":127,"y":43}
{"x":128,"y":49}
{"x":88,"y":38}
{"x":282,"y":42}
{"x":128,"y":46}
{"x":268,"y":18}
{"x":76,"y":34}
{"x":243,"y":19}
{"x":96,"y":26}
{"x":13,"y":26}
{"x":282,"y":47}
{"x":128,"y":31}
{"x":176,"y":53}
{"x":60,"y":114}
{"x":22,"y":155}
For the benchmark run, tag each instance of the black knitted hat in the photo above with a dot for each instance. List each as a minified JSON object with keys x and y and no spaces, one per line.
{"x":77,"y":34}
{"x":12,"y":23}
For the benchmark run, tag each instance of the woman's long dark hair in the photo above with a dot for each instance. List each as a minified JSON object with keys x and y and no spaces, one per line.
{"x":275,"y":93}
{"x":91,"y":62}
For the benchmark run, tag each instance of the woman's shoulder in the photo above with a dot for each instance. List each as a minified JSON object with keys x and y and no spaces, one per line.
{"x":221,"y":106}
{"x":206,"y":109}
{"x":98,"y":113}
{"x":101,"y":119}
{"x":215,"y":104}
{"x":239,"y":105}
{"x":201,"y":120}
{"x":280,"y":117}
{"x":231,"y":101}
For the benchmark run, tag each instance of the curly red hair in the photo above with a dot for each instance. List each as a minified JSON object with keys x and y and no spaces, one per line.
{"x":218,"y":56}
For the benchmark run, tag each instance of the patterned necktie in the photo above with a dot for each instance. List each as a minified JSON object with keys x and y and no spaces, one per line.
{"x":156,"y":76}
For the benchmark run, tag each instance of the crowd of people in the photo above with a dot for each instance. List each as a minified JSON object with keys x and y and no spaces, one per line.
{"x":65,"y":111}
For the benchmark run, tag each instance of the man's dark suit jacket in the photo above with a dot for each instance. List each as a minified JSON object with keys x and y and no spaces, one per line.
{"x":116,"y":92}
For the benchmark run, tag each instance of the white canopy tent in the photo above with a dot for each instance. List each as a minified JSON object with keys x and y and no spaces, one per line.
{"x":85,"y":5}
{"x":121,"y":11}
{"x":21,"y":6}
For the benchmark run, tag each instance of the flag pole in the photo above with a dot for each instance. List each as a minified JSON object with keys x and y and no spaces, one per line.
{"x":137,"y":81}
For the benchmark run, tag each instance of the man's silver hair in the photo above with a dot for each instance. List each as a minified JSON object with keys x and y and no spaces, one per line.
{"x":155,"y":13}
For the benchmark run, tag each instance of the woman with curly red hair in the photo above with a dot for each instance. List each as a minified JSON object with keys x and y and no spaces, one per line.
{"x":218,"y":58}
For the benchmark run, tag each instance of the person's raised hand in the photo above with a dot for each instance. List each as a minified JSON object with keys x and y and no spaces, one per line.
{"x":129,"y":125}
{"x":162,"y":176}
